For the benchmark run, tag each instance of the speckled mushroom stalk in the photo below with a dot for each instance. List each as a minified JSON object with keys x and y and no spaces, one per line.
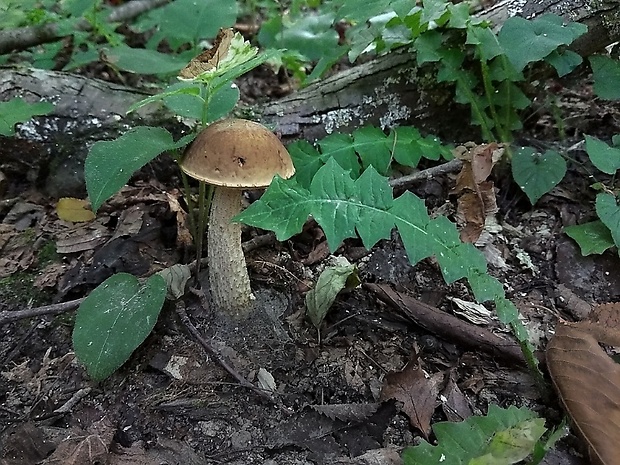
{"x":228,"y":275}
{"x":233,"y":155}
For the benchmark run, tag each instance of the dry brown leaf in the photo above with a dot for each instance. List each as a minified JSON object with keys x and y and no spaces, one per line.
{"x":588,"y":382}
{"x":89,"y":448}
{"x":417,"y":391}
{"x":476,"y":201}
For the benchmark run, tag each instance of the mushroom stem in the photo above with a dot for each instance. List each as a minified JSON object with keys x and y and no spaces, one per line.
{"x":228,"y":275}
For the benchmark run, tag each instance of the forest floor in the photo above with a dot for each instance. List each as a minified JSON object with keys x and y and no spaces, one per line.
{"x":173,"y":403}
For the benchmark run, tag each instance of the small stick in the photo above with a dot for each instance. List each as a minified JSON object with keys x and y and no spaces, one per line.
{"x":54,"y":309}
{"x":405,"y":181}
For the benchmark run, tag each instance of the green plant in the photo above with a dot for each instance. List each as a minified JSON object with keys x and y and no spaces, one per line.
{"x":502,"y":437}
{"x":103,"y":345}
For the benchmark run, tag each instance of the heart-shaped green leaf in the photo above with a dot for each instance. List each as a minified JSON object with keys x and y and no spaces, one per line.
{"x":537,"y":174}
{"x":593,"y":237}
{"x":604,"y":157}
{"x":114,"y":320}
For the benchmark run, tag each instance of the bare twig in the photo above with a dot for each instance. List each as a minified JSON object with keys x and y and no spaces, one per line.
{"x":405,"y":181}
{"x":25,"y":37}
{"x":54,"y":309}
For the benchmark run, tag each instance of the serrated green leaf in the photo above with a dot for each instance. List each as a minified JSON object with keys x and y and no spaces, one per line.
{"x":606,"y":74}
{"x":526,"y":41}
{"x":604,"y":157}
{"x":428,"y":47}
{"x":114,"y":320}
{"x":340,"y":147}
{"x":372,"y":146}
{"x":486,"y":41}
{"x":608,"y":211}
{"x":331,"y":281}
{"x":110,"y":164}
{"x":458,"y":443}
{"x":592,"y":238}
{"x":18,"y":111}
{"x":537,"y":174}
{"x":307,"y":161}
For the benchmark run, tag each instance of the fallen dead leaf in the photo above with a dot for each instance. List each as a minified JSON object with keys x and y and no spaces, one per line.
{"x":74,"y":210}
{"x":476,"y":196}
{"x":417,"y":391}
{"x":588,"y":380}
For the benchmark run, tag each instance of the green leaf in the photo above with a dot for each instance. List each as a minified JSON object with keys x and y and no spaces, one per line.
{"x":537,"y":174}
{"x":340,"y":148}
{"x":468,"y":441}
{"x":114,"y":320}
{"x":18,"y":111}
{"x":564,"y":61}
{"x":110,"y":164}
{"x":592,"y":238}
{"x":143,"y":61}
{"x":191,"y":105}
{"x":604,"y":157}
{"x":331,"y":281}
{"x":513,"y":444}
{"x":307,"y":161}
{"x":188,"y":21}
{"x":526,"y":41}
{"x":312,"y":36}
{"x":428,"y":47}
{"x":606,"y":74}
{"x":608,"y":211}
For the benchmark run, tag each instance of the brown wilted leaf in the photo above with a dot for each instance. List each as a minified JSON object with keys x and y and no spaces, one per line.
{"x":417,"y":391}
{"x":476,"y":199}
{"x":588,"y":382}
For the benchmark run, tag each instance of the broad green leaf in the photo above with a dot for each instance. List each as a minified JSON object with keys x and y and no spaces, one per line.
{"x":537,"y":174}
{"x":188,"y":21}
{"x":309,"y":35}
{"x":512,"y":445}
{"x":114,"y":320}
{"x":18,"y":111}
{"x":143,"y":61}
{"x":526,"y":41}
{"x":191,"y":105}
{"x":606,"y":73}
{"x":462,"y":443}
{"x":564,"y":61}
{"x":604,"y":157}
{"x":110,"y":164}
{"x":593,"y":237}
{"x":331,"y":281}
{"x":608,"y":211}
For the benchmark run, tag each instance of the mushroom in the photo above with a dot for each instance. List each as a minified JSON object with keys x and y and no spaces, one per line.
{"x":233,"y":155}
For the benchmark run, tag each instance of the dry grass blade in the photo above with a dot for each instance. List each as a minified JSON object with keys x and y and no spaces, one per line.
{"x":588,"y":382}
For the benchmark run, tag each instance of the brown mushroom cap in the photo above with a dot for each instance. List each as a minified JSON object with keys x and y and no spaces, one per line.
{"x":237,"y":153}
